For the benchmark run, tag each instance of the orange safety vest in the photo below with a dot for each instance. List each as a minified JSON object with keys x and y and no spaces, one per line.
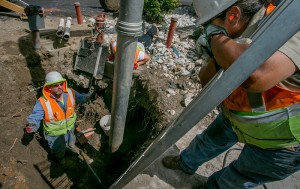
{"x":269,"y":8}
{"x":137,"y":52}
{"x":57,"y":113}
{"x":274,"y":98}
{"x":269,"y":120}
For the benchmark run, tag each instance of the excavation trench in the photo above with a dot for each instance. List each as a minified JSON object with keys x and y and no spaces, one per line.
{"x":141,"y":128}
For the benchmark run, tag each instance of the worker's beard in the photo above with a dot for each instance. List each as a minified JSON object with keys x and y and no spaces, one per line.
{"x":57,"y":93}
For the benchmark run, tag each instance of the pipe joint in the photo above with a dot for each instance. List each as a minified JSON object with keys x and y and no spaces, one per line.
{"x":129,"y":29}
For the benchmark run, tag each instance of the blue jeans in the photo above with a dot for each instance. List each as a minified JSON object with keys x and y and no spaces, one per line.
{"x":58,"y":144}
{"x":147,"y":38}
{"x":254,"y":166}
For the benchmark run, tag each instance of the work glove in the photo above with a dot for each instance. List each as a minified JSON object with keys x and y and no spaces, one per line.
{"x":92,"y":96}
{"x":30,"y":128}
{"x":211,"y":30}
{"x":28,"y":135}
{"x":201,"y":47}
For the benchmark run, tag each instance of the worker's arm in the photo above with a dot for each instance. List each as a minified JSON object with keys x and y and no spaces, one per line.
{"x":144,"y":60}
{"x":81,"y":97}
{"x":275,"y":69}
{"x":208,"y":71}
{"x":34,"y":119}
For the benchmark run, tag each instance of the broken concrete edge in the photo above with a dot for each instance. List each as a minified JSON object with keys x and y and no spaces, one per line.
{"x":43,"y":31}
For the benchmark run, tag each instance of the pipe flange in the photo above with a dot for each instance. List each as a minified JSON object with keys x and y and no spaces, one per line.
{"x":129,"y":29}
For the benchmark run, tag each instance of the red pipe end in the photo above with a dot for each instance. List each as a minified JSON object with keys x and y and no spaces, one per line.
{"x":78,"y":12}
{"x":171,"y":32}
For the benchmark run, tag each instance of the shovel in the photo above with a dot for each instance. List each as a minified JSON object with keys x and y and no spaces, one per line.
{"x":83,"y":135}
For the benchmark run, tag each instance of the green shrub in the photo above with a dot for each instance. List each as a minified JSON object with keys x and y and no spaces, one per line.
{"x":154,"y":9}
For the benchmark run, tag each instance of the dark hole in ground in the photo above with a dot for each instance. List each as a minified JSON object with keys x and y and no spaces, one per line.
{"x":140,"y":131}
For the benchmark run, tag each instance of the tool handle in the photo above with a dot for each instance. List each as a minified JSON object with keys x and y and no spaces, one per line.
{"x":85,"y":131}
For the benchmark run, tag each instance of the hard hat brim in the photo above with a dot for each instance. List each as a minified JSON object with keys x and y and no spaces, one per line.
{"x":51,"y":83}
{"x":208,"y":17}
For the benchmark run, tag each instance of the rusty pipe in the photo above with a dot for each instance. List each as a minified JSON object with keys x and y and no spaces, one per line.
{"x":100,"y":25}
{"x":100,"y":20}
{"x":78,"y":12}
{"x":171,"y":32}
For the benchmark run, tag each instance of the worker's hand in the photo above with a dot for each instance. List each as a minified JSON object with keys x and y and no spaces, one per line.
{"x":201,"y":47}
{"x":30,"y":128}
{"x":93,"y":96}
{"x":28,"y":134}
{"x":212,"y":30}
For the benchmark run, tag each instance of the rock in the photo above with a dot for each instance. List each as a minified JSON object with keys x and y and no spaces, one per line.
{"x":171,"y":91}
{"x":199,"y":62}
{"x":172,"y":112}
{"x":188,"y":99}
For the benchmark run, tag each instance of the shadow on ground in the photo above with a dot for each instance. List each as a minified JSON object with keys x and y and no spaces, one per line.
{"x":175,"y":178}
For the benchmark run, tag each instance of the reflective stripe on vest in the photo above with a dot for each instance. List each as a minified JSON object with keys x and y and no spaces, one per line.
{"x":49,"y":110}
{"x":57,"y":128}
{"x":54,"y":126}
{"x":268,"y":130}
{"x":70,"y":93}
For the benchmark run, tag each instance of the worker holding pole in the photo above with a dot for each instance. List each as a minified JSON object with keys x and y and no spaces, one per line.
{"x":263,"y":113}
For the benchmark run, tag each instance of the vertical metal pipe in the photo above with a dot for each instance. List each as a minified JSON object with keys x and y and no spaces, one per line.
{"x":171,"y":32}
{"x":78,"y":12}
{"x":129,"y":27}
{"x":36,"y":39}
{"x":36,"y":22}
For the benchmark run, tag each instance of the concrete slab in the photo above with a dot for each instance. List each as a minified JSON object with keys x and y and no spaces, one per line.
{"x":157,"y":176}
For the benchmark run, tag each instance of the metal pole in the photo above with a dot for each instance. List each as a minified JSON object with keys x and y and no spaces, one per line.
{"x":36,"y":39}
{"x":129,"y":27}
{"x":282,"y":24}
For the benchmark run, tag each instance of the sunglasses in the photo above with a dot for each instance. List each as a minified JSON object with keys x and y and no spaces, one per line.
{"x":57,"y":84}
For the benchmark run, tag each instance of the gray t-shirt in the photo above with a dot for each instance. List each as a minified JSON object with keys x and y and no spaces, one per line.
{"x":292,"y":50}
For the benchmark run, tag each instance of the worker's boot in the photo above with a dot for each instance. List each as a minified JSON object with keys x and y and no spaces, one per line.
{"x":73,"y":150}
{"x":57,"y":159}
{"x":173,"y":162}
{"x":57,"y":164}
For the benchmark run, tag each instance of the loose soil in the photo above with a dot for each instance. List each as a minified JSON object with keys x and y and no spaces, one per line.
{"x":22,"y":72}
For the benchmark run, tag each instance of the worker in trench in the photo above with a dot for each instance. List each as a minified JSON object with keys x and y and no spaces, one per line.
{"x":144,"y":42}
{"x":56,"y":109}
{"x":269,"y":127}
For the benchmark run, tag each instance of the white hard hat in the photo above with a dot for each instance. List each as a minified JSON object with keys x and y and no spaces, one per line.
{"x":53,"y":77}
{"x":208,"y":9}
